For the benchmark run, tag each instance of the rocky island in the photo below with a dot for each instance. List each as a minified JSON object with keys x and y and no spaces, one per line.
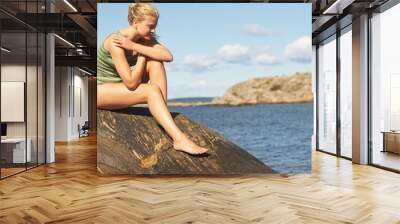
{"x":295,"y":88}
{"x":276,"y":89}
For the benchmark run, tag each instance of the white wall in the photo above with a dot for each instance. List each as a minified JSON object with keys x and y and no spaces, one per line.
{"x":81,"y":82}
{"x":12,"y":73}
{"x":13,"y":100}
{"x":70,"y":84}
{"x":34,"y":124}
{"x":61,"y":103}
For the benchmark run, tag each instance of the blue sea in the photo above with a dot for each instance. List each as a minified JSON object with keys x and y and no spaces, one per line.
{"x":277,"y":134}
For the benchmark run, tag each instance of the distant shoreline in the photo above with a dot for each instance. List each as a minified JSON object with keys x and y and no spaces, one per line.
{"x":176,"y":103}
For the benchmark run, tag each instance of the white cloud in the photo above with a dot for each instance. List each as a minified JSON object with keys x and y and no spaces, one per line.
{"x":199,"y":62}
{"x":234,"y":53}
{"x":256,"y":29}
{"x":171,"y":67}
{"x":265,"y":58}
{"x":299,"y":50}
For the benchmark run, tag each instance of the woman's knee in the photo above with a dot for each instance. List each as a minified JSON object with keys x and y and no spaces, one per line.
{"x":152,"y":90}
{"x":154,"y":64}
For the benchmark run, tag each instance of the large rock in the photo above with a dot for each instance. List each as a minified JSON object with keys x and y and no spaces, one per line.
{"x":129,"y":141}
{"x":275,"y":89}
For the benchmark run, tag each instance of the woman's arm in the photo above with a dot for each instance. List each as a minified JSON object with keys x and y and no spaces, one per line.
{"x":131,"y":78}
{"x":151,"y":49}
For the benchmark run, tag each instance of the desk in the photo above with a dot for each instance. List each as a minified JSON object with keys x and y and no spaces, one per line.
{"x":13,"y":150}
{"x":391,"y":141}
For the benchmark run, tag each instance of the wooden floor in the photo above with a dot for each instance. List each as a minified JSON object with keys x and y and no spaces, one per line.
{"x":70,"y":191}
{"x":387,"y":159}
{"x":10,"y":171}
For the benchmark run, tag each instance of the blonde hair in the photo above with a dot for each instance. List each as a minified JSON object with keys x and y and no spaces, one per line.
{"x":138,"y":11}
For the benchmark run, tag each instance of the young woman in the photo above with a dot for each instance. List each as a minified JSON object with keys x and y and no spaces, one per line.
{"x":120,"y":85}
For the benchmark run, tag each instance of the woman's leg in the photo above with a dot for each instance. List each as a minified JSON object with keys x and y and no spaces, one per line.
{"x":116,"y":96}
{"x":156,"y":73}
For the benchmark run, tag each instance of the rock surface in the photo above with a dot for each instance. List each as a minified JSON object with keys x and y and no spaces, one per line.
{"x":276,"y":89}
{"x":129,"y":141}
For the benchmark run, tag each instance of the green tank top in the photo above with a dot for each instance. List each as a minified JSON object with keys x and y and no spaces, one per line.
{"x":106,"y":71}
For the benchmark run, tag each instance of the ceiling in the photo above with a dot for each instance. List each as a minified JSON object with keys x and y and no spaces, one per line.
{"x":330,"y":15}
{"x":76,"y":22}
{"x":72,"y":20}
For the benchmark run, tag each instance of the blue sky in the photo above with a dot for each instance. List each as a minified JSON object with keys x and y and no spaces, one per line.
{"x":218,"y":45}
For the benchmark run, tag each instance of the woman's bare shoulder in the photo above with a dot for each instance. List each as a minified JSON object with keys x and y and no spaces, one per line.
{"x":107,"y":44}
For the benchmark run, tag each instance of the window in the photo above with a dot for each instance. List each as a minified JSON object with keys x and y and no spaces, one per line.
{"x":327,"y":95}
{"x":346,"y":76}
{"x":385,"y":88}
{"x":23,"y":76}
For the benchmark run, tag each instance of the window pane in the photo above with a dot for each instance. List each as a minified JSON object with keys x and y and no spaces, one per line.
{"x":31,"y":97}
{"x":41,"y":98}
{"x":13,"y":84}
{"x":346,"y":94}
{"x":386,"y":89}
{"x":327,"y":96}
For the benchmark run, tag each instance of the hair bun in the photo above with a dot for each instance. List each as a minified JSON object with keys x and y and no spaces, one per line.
{"x":140,"y":10}
{"x":132,"y":5}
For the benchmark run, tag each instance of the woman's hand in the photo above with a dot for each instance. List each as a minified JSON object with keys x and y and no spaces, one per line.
{"x":151,"y":48}
{"x":122,"y":42}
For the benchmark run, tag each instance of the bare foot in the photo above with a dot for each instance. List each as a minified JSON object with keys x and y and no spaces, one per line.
{"x":186,"y":145}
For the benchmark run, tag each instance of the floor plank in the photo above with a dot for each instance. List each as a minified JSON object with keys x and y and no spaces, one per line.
{"x":69,"y":191}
